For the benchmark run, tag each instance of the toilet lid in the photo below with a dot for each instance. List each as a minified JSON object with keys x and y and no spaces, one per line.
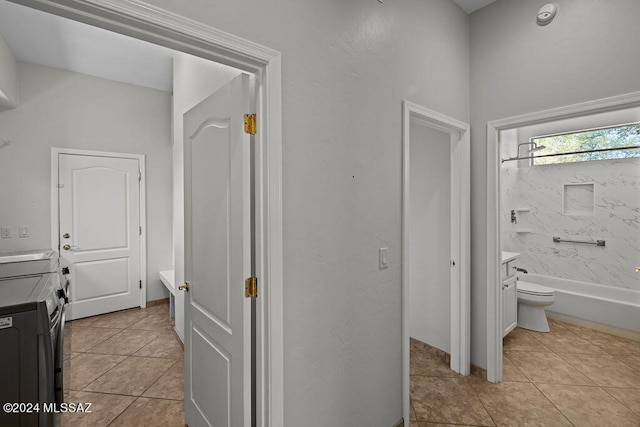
{"x":533,"y":289}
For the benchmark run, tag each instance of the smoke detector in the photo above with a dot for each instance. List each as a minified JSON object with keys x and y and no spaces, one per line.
{"x":546,"y":14}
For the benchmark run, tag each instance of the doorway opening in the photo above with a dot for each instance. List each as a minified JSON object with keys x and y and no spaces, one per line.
{"x":499,"y":132}
{"x":175,"y":32}
{"x":435,"y":237}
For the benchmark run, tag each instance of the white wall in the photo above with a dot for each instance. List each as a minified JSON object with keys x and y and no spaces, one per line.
{"x":346,"y":68}
{"x":63,"y":109}
{"x":518,"y":67}
{"x":194,"y":79}
{"x":8,"y":80}
{"x":430,"y":238}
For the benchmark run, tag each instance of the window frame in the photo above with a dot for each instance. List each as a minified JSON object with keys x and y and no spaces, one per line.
{"x":533,"y":139}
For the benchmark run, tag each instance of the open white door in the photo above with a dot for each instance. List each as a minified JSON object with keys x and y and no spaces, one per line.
{"x":99,"y":237}
{"x":217,"y":259}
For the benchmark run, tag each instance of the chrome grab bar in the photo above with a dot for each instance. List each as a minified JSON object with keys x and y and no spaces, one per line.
{"x":597,"y":242}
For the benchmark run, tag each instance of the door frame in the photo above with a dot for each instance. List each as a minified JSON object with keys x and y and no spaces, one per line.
{"x":55,"y":209}
{"x":150,"y":23}
{"x":460,"y":244}
{"x":494,"y":302}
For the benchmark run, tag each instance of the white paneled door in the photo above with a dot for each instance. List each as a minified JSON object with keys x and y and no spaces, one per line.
{"x":218,"y":259}
{"x":99,"y":203}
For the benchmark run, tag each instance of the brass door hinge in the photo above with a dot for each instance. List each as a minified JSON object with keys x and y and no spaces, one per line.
{"x":250,"y":124}
{"x":251,"y":287}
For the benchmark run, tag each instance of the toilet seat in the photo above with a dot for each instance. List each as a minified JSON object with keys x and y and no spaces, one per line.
{"x":529,"y":288}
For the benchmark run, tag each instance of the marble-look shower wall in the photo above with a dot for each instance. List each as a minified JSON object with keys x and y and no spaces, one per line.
{"x":537,"y":194}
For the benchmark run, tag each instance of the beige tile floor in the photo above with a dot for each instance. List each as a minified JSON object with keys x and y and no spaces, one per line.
{"x":129,"y":365}
{"x":569,"y":376}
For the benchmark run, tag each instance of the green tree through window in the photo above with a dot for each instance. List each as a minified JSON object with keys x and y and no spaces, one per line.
{"x":612,"y":137}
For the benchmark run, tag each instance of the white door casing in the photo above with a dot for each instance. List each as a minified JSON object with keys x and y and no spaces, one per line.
{"x":218,"y":259}
{"x":99,"y":232}
{"x":460,"y":238}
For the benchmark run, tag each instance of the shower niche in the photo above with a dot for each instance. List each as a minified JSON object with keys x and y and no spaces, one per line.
{"x":579,"y":199}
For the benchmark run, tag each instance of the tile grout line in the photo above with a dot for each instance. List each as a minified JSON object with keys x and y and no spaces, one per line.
{"x":619,"y":401}
{"x":122,"y":412}
{"x":137,"y":398}
{"x":147,"y":389}
{"x":547,"y":397}
{"x":123,"y":360}
{"x":482,"y":403}
{"x":515,"y":366}
{"x":552,"y":404}
{"x":126,"y":357}
{"x":568,"y":361}
{"x":142,"y":395}
{"x":103,"y":374}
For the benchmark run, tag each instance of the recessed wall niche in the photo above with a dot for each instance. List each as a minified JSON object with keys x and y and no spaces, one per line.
{"x":579,"y":199}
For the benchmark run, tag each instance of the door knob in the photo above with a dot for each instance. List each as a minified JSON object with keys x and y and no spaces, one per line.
{"x":66,"y":235}
{"x":184,"y":287}
{"x":66,"y":247}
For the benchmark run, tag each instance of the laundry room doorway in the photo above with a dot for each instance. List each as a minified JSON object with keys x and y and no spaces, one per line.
{"x":264,"y":385}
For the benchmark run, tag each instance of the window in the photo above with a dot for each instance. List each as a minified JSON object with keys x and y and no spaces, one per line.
{"x":614,"y":142}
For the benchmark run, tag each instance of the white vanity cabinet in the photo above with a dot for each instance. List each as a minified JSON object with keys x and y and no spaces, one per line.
{"x":509,"y":306}
{"x":508,"y":294}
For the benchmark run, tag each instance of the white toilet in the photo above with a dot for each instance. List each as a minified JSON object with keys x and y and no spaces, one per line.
{"x":532,"y":299}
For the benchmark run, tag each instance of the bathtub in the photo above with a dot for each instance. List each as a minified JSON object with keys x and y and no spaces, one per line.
{"x":616,"y":310}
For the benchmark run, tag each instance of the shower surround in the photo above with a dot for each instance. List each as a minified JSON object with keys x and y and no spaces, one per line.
{"x":586,"y":201}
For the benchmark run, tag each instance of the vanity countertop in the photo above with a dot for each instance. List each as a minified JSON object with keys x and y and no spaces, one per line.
{"x":509,"y":256}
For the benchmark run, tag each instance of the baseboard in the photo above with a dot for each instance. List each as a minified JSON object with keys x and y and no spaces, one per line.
{"x":157,"y":302}
{"x":441,"y":354}
{"x":400,"y":423}
{"x":612,"y":330}
{"x":446,"y":358}
{"x":478,"y":372}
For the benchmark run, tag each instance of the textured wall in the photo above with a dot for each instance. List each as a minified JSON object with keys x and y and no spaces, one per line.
{"x":518,"y":67}
{"x":64,"y":109}
{"x":346,"y":68}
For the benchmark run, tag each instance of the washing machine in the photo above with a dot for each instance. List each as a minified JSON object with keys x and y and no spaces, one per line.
{"x":32,"y":315}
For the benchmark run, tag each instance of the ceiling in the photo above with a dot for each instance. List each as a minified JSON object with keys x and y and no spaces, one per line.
{"x":45,"y":39}
{"x":52,"y":41}
{"x":471,"y":6}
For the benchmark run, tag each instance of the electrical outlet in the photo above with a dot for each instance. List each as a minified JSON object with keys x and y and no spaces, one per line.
{"x":5,"y":232}
{"x":23,"y":231}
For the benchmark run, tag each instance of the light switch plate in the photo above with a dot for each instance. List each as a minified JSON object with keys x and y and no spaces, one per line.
{"x":383,"y":262}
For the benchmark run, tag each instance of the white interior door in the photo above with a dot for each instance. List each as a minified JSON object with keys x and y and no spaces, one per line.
{"x":217,"y":259}
{"x":99,"y":202}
